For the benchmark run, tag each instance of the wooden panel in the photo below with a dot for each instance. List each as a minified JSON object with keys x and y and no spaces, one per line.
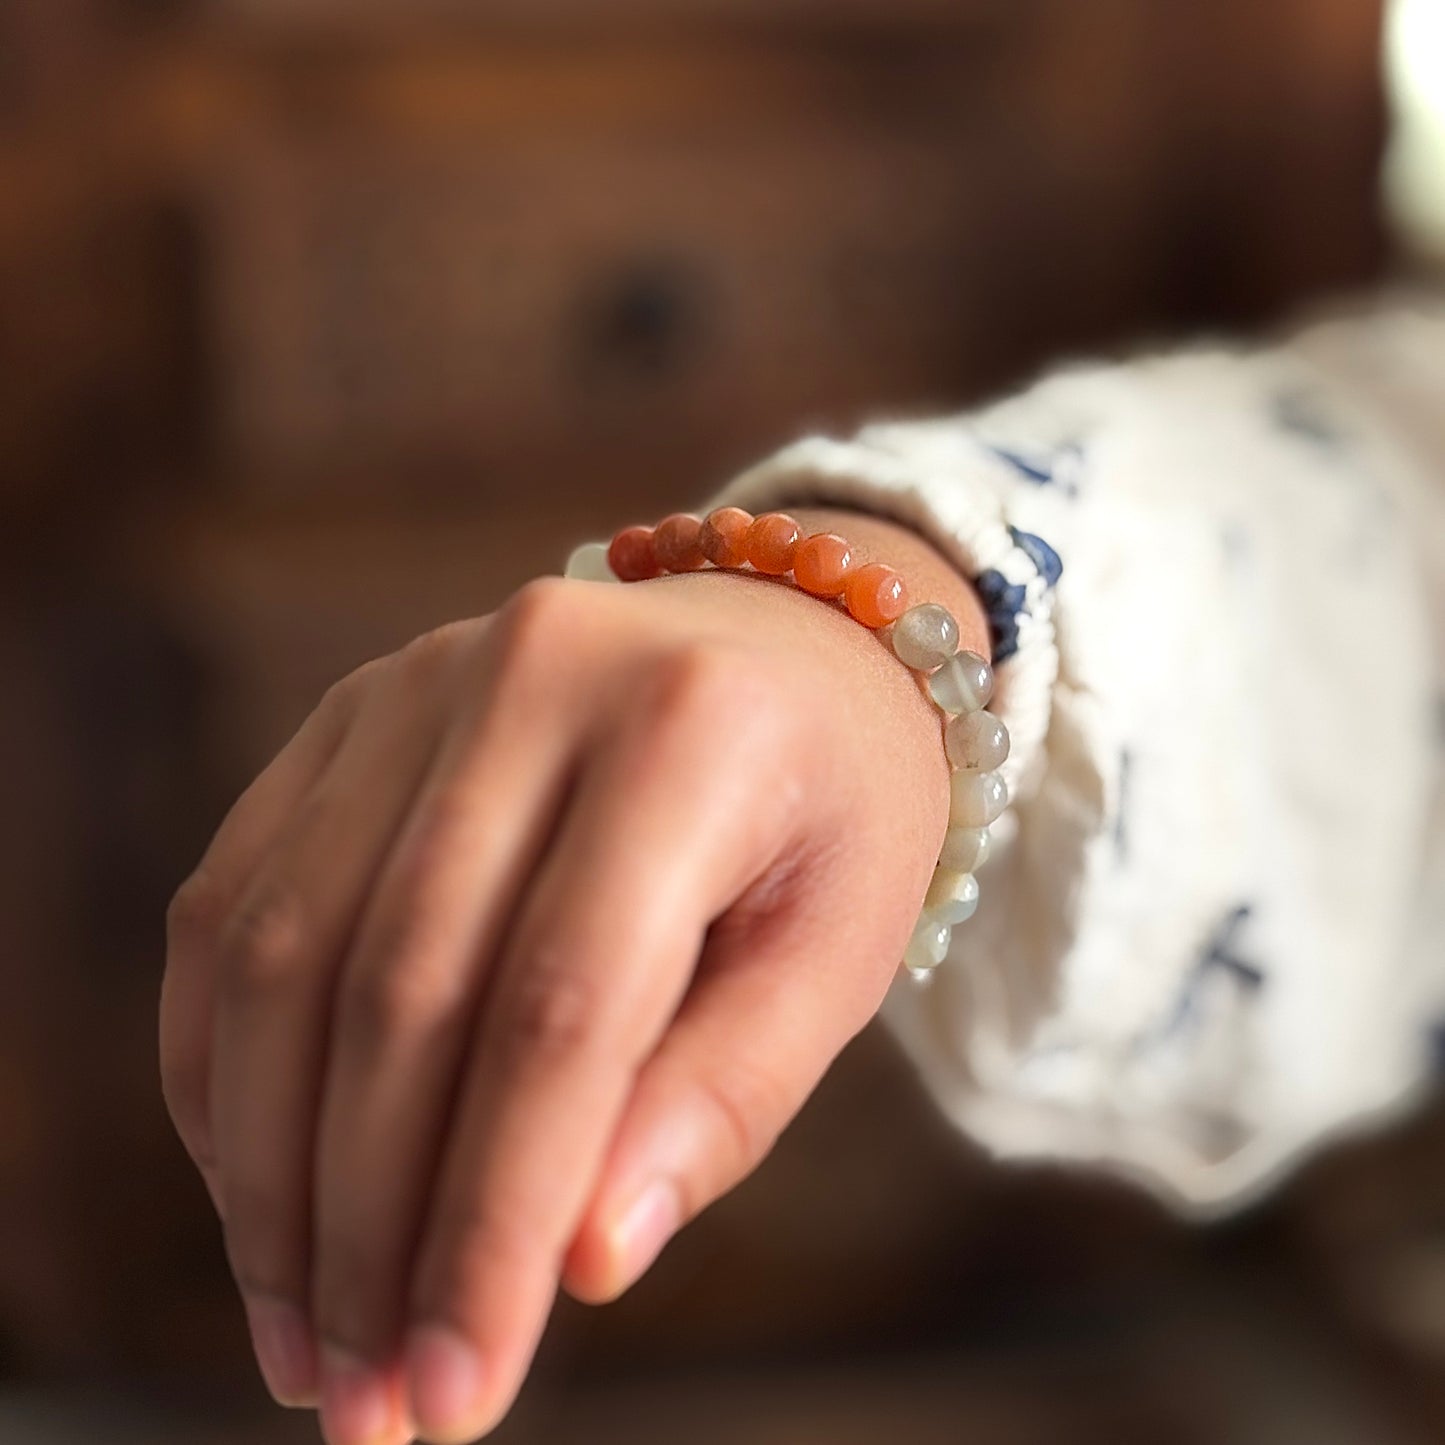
{"x":382,"y":298}
{"x":617,"y":16}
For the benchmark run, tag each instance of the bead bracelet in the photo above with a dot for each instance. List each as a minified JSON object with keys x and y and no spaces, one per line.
{"x":924,"y":638}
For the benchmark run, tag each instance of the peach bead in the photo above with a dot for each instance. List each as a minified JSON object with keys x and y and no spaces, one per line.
{"x":724,"y":536}
{"x":772,"y":543}
{"x":676,"y":543}
{"x":632,"y":555}
{"x":822,"y":563}
{"x":876,"y":595}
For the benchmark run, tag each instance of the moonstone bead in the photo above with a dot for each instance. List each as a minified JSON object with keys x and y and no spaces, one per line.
{"x":822,"y":563}
{"x":925,"y":636}
{"x":976,"y":799}
{"x":965,"y":849}
{"x":929,"y":945}
{"x":772,"y":540}
{"x":952,"y":897}
{"x":876,"y":595}
{"x":632,"y":556}
{"x":977,"y":741}
{"x":724,"y":536}
{"x":963,"y":684}
{"x":588,"y":563}
{"x":676,"y":542}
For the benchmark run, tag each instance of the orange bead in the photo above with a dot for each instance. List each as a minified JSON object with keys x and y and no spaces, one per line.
{"x":876,"y":595}
{"x":676,"y":543}
{"x":822,"y":563}
{"x":772,"y":541}
{"x":724,"y":536}
{"x":632,"y":555}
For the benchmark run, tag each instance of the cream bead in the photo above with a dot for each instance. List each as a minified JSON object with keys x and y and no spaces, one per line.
{"x":977,"y":741}
{"x":589,"y":564}
{"x":929,"y":945}
{"x":925,"y":637}
{"x":952,"y":897}
{"x":965,"y":849}
{"x":976,"y":799}
{"x":963,"y":684}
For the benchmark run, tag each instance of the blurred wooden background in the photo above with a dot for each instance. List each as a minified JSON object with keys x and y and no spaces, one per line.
{"x":323,"y":322}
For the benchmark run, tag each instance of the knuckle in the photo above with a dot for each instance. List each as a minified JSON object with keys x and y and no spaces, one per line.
{"x":534,"y":620}
{"x":749,"y":1110}
{"x":340,"y":700}
{"x":725,"y":691}
{"x":351,"y":1292}
{"x":392,"y":1001}
{"x":264,"y":1243}
{"x":430,"y":654}
{"x":451,"y":829}
{"x":196,"y":909}
{"x":693,"y":679}
{"x":469,"y":1247}
{"x":553,"y":1014}
{"x":263,"y":942}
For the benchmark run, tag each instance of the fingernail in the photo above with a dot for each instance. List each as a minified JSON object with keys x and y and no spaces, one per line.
{"x":445,"y":1379}
{"x":355,"y":1404}
{"x":285,"y":1351}
{"x":638,"y":1237}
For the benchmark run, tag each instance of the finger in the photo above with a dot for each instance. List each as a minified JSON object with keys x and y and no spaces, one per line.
{"x":404,"y":1009}
{"x":200,"y":906}
{"x":602,"y":950}
{"x":276,"y":959}
{"x":769,"y":1013}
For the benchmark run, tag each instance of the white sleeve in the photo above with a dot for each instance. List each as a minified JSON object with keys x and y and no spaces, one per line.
{"x":1213,"y":935}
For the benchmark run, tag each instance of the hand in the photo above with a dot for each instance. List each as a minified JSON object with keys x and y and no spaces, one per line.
{"x":524,"y":950}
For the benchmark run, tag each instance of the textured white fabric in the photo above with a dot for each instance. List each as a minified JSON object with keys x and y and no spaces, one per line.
{"x":1213,"y":934}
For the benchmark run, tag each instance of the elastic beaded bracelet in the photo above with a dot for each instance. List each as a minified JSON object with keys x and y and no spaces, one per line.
{"x":924,"y":638}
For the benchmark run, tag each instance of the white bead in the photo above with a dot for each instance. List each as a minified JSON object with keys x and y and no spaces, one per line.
{"x":965,"y":849}
{"x":589,"y":564}
{"x":929,"y":945}
{"x":952,"y":897}
{"x":925,"y":636}
{"x":977,"y":741}
{"x":976,"y":799}
{"x":963,"y":684}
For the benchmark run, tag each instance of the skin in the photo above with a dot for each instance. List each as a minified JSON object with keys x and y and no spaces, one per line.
{"x":525,"y":949}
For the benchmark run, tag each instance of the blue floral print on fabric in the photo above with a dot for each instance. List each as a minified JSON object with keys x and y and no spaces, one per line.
{"x":1059,"y":469}
{"x":1051,"y":568}
{"x":1435,"y":1046}
{"x":1302,"y":414}
{"x":1004,"y":602}
{"x":1219,"y":954}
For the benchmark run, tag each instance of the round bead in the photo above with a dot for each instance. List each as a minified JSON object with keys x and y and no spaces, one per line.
{"x":952,"y":897}
{"x":929,"y":945}
{"x":976,"y":741}
{"x":723,"y":536}
{"x":876,"y":595}
{"x":772,"y":541}
{"x":925,"y":636}
{"x":976,"y":799}
{"x":963,"y":684}
{"x":822,"y":563}
{"x":965,"y":849}
{"x":677,"y":543}
{"x":632,"y":556}
{"x":588,"y":563}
